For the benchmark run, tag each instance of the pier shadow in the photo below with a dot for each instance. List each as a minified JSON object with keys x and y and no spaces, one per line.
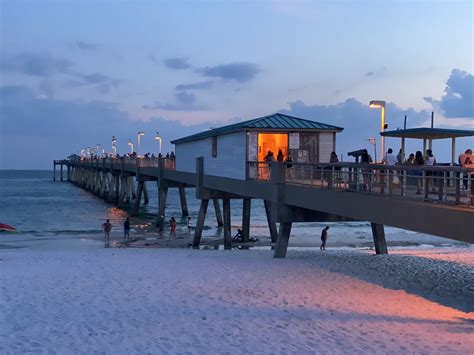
{"x":441,"y":281}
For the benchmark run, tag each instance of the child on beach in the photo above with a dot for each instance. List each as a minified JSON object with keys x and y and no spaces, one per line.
{"x":126,"y":229}
{"x":173,"y":226}
{"x":324,"y":238}
{"x":107,"y":227}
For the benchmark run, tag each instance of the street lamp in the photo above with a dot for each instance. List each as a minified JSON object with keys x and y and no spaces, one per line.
{"x":380,"y":104}
{"x":114,"y":145}
{"x":158,"y":138}
{"x":141,"y":133}
{"x":131,"y":146}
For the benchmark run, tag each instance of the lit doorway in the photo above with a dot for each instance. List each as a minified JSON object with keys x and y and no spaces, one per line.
{"x":272,"y":142}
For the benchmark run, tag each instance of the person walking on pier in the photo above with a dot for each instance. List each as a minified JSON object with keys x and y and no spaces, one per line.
{"x":126,"y":229}
{"x":324,"y":238}
{"x":107,"y":227}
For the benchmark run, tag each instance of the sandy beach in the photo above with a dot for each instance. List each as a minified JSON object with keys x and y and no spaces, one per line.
{"x":68,"y":299}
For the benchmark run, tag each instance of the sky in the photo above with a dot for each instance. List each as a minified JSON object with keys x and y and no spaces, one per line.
{"x":75,"y":73}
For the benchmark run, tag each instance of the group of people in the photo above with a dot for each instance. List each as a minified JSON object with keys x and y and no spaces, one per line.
{"x":280,"y":156}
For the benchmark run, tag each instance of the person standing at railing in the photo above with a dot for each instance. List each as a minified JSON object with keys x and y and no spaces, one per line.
{"x":289,"y":166}
{"x":390,"y":159}
{"x":280,"y":156}
{"x":466,"y":161}
{"x":419,"y":161}
{"x":365,"y":158}
{"x":430,"y":161}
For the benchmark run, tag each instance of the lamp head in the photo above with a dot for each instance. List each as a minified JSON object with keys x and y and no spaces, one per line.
{"x":377,"y":104}
{"x":141,"y":133}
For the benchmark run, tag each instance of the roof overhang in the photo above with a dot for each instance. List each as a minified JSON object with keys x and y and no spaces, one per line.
{"x":428,"y":133}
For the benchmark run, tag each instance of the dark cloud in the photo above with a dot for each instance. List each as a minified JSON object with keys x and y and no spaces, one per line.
{"x":44,"y":129}
{"x":204,"y":85}
{"x":36,"y":64}
{"x":101,"y":82}
{"x":458,"y":101}
{"x":87,"y":47}
{"x":240,"y":72}
{"x":177,"y":63}
{"x":359,"y":120}
{"x":185,"y":101}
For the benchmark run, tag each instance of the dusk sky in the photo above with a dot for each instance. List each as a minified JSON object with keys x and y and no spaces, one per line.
{"x":74,"y":73}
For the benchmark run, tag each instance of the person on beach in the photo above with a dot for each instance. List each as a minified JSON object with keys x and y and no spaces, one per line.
{"x":324,"y":238}
{"x":107,"y":227}
{"x":126,"y":229}
{"x":189,"y":225}
{"x":172,"y":226}
{"x":159,"y":224}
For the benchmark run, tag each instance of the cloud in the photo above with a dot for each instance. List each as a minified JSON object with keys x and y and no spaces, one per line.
{"x":185,"y":101}
{"x":101,"y":82}
{"x":458,"y":102}
{"x":177,"y":63}
{"x":240,"y":72}
{"x":204,"y":85}
{"x":87,"y":47}
{"x":36,"y":64}
{"x":44,"y":129}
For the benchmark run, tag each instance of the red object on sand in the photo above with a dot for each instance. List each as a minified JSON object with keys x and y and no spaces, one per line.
{"x":6,"y":228}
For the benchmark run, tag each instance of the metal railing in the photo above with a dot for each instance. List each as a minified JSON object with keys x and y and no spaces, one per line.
{"x":440,"y":184}
{"x":126,"y":163}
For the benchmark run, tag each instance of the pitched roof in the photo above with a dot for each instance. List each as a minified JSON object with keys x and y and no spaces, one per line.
{"x":276,"y":122}
{"x":428,"y":133}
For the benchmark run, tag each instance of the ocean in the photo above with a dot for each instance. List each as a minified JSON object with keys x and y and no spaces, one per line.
{"x":51,"y":210}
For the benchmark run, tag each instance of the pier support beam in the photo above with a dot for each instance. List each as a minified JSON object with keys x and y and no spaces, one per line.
{"x":378,"y":233}
{"x":271,"y":223}
{"x":227,"y":225}
{"x":200,"y":223}
{"x":145,"y":194}
{"x":138,"y":197}
{"x":184,"y":203}
{"x":283,"y":239}
{"x":246,"y":220}
{"x":217,"y":209}
{"x":61,"y":170}
{"x":162,"y":194}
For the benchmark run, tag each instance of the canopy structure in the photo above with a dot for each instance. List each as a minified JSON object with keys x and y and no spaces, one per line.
{"x":428,"y":135}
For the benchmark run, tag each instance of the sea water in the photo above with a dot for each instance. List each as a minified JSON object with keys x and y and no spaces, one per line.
{"x":41,"y":208}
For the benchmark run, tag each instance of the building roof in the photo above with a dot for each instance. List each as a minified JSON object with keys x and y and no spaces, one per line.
{"x":428,"y":133}
{"x":275,"y":122}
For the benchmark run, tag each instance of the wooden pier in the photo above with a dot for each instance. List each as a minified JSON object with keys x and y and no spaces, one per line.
{"x":296,"y":192}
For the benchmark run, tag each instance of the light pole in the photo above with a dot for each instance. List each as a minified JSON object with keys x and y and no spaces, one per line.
{"x":131,"y":146}
{"x":158,"y":138}
{"x":373,"y":141}
{"x":141,"y":133}
{"x":114,"y":145}
{"x":380,"y":104}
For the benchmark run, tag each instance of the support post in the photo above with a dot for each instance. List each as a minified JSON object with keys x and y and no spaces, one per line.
{"x":138,"y":197}
{"x":283,"y":239}
{"x":271,"y":224}
{"x":200,"y":223}
{"x":162,"y":194}
{"x":227,"y":229}
{"x":453,"y":151}
{"x":217,"y":209}
{"x":378,"y":233}
{"x":184,"y":204}
{"x":246,"y":219}
{"x":145,"y":194}
{"x":54,"y":171}
{"x":61,"y":170}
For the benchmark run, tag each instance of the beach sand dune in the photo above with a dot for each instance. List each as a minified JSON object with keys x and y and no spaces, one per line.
{"x":201,"y":301}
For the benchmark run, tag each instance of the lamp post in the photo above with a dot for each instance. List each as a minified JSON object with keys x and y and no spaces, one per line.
{"x":373,"y":141}
{"x":141,"y":133}
{"x":158,"y":138}
{"x":114,"y":145}
{"x":380,"y":104}
{"x":131,"y":146}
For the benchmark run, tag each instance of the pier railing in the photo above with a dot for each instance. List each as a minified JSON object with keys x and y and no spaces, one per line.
{"x":127,"y":163}
{"x":440,"y":184}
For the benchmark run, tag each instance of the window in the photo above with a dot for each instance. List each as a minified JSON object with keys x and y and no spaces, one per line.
{"x":214,"y":147}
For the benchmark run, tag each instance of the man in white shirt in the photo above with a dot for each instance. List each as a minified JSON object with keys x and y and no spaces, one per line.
{"x":389,"y":158}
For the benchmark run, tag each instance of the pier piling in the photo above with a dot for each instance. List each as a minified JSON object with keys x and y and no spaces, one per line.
{"x":380,"y":243}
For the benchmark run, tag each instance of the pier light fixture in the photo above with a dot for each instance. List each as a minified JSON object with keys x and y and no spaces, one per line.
{"x":131,"y":146}
{"x":114,"y":145}
{"x":380,"y":104}
{"x":158,"y":138}
{"x":140,"y":134}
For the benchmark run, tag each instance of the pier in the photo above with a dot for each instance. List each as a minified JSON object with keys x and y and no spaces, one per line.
{"x":296,"y":192}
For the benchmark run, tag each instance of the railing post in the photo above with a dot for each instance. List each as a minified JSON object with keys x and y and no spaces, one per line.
{"x":423,"y":184}
{"x":333,"y":177}
{"x":445,"y":187}
{"x":371,"y":181}
{"x":389,"y":186}
{"x":404,"y":182}
{"x":322,"y":177}
{"x":469,"y":188}
{"x":356,"y":171}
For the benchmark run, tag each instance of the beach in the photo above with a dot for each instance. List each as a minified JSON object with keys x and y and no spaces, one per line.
{"x":78,"y":297}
